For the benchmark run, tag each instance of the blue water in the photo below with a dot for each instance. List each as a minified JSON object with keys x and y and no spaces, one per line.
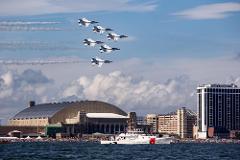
{"x":93,"y":151}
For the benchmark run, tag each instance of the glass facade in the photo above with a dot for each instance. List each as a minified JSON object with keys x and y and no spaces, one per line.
{"x":199,"y":111}
{"x":221,"y":106}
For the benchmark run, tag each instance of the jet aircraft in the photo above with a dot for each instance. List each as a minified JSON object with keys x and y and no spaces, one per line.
{"x":100,"y":29}
{"x":85,"y":22}
{"x":107,"y":49}
{"x":99,"y":62}
{"x":115,"y":37}
{"x":90,"y":42}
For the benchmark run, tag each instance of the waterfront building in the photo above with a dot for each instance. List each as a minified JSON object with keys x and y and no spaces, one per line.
{"x":218,"y":109}
{"x":167,"y":123}
{"x":180,"y":123}
{"x":185,"y":122}
{"x":141,"y":120}
{"x":142,"y":124}
{"x":151,"y":119}
{"x":74,"y":117}
{"x":138,"y":123}
{"x":132,"y":121}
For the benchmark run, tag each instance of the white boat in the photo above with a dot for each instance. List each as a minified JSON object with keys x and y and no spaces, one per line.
{"x":137,"y":137}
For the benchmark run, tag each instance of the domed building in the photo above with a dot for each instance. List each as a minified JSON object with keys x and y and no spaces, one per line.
{"x":75,"y":117}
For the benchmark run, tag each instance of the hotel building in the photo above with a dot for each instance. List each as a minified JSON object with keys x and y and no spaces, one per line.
{"x":218,"y":109}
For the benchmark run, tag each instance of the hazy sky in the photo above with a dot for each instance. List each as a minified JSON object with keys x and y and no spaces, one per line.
{"x":172,"y":47}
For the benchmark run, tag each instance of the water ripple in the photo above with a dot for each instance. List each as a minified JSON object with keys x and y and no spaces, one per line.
{"x":93,"y":151}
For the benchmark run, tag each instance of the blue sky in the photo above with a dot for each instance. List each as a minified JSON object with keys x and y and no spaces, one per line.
{"x":172,"y":47}
{"x":154,"y":33}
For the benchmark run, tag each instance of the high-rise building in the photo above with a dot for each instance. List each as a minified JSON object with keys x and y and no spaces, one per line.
{"x":218,"y":108}
{"x":152,"y":119}
{"x":186,"y":120}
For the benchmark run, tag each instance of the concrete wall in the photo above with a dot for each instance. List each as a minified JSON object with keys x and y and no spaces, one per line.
{"x":29,"y":122}
{"x":167,"y":124}
{"x":4,"y":130}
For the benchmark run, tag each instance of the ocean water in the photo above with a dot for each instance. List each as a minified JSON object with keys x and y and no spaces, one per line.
{"x":94,"y":151}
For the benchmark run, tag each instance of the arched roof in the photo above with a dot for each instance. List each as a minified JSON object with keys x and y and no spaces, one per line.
{"x":61,"y":111}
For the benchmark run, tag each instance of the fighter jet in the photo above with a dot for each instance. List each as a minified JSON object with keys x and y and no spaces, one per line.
{"x":115,"y":37}
{"x":85,"y":22}
{"x":99,"y":62}
{"x":107,"y":49}
{"x":100,"y":29}
{"x":90,"y":42}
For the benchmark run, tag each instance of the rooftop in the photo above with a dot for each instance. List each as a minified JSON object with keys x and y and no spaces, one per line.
{"x":58,"y":110}
{"x":218,"y":86}
{"x":40,"y":110}
{"x":105,"y":115}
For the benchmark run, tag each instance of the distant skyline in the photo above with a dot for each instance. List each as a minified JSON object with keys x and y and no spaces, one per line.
{"x":172,"y":48}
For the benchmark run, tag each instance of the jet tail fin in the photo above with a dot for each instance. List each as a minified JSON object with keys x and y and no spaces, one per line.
{"x":108,"y":29}
{"x":107,"y":61}
{"x":123,"y":36}
{"x":115,"y":49}
{"x":92,"y":22}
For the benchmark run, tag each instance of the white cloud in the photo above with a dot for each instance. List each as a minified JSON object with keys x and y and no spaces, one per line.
{"x":234,"y":80}
{"x":7,"y":78}
{"x":16,"y":89}
{"x":145,"y":86}
{"x":29,"y":7}
{"x":210,"y":70}
{"x":210,"y":11}
{"x":132,"y":95}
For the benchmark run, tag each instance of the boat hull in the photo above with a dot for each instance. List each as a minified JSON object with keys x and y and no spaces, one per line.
{"x":156,"y":141}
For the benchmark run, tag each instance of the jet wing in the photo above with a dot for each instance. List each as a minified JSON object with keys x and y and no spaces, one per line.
{"x":99,"y":27}
{"x":100,"y":64}
{"x":106,"y":46}
{"x":86,"y":24}
{"x":99,"y":59}
{"x":114,"y":34}
{"x":85,"y":20}
{"x":92,"y":44}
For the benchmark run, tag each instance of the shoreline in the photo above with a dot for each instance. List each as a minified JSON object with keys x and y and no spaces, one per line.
{"x":97,"y":140}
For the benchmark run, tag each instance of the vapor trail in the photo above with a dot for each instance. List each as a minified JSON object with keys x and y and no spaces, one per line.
{"x":29,"y":26}
{"x":22,"y":28}
{"x":40,"y":62}
{"x":13,"y":23}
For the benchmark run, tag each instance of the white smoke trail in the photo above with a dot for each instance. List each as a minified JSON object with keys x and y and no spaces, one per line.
{"x":28,"y":26}
{"x":36,"y":46}
{"x":41,"y":62}
{"x":23,"y":28}
{"x":16,"y":23}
